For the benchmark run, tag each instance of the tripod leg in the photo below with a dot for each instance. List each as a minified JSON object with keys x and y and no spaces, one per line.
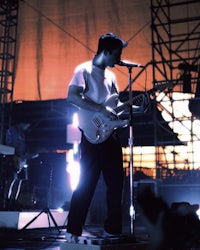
{"x":47,"y":211}
{"x":50,"y":214}
{"x":31,"y":221}
{"x":48,"y":220}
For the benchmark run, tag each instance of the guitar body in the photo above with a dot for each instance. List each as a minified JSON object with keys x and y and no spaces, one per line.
{"x":98,"y":127}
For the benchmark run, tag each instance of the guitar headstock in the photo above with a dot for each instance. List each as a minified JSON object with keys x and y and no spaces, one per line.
{"x":160,"y":86}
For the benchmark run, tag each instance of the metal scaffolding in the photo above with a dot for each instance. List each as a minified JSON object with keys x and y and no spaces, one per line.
{"x":8,"y":37}
{"x":175,"y":27}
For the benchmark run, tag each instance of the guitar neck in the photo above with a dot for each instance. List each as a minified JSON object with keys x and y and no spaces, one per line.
{"x":137,"y":100}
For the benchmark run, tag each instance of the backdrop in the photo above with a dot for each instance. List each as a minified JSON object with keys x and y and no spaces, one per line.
{"x":56,"y":35}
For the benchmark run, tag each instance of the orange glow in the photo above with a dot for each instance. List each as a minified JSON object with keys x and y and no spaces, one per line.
{"x":54,"y":38}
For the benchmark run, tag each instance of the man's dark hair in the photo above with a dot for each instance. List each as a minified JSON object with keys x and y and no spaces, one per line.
{"x":110,"y":42}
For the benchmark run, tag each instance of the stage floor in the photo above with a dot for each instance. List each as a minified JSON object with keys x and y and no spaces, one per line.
{"x":52,"y":239}
{"x":45,"y":229}
{"x":17,"y":233}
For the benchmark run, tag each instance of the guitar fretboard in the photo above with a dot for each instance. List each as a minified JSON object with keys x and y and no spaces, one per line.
{"x":137,"y":100}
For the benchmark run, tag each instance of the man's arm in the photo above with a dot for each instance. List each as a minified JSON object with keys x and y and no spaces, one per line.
{"x":75,"y":96}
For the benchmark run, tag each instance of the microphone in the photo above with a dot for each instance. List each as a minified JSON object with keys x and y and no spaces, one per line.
{"x":129,"y":64}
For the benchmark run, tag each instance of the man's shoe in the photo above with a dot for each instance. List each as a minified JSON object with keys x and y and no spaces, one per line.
{"x":83,"y":239}
{"x":107,"y":235}
{"x":91,"y":233}
{"x":71,"y":238}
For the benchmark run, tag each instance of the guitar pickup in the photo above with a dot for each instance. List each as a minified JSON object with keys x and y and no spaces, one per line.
{"x":97,"y":122}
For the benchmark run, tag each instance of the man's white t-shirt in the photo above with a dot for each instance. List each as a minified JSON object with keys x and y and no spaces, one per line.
{"x":98,"y":84}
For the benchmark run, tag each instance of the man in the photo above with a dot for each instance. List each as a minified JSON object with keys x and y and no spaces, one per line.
{"x":90,"y":87}
{"x":16,"y":137}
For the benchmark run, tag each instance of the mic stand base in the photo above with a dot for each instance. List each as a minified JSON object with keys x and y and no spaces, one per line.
{"x":49,"y":215}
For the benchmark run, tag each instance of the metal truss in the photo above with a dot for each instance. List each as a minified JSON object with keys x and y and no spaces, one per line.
{"x":8,"y":36}
{"x":175,"y":40}
{"x":175,"y":27}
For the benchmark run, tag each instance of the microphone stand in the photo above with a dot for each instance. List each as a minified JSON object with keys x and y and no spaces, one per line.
{"x":132,"y":209}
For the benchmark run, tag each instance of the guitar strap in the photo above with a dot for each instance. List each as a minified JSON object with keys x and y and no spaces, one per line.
{"x":114,"y":89}
{"x":85,"y":76}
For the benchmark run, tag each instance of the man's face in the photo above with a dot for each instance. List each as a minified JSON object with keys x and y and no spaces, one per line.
{"x":113,"y":57}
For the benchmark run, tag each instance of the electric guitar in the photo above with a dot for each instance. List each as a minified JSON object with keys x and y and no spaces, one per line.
{"x":97,"y":127}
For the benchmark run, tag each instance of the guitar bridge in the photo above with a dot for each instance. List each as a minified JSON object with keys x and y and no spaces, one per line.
{"x":98,"y":135}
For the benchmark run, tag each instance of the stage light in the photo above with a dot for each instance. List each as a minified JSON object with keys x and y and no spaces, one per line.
{"x":132,"y":211}
{"x":175,"y":111}
{"x":73,"y":168}
{"x":73,"y":132}
{"x":60,"y":210}
{"x":198,"y":213}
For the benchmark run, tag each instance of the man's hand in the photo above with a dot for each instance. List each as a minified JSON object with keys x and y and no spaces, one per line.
{"x":143,"y":105}
{"x":109,"y":112}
